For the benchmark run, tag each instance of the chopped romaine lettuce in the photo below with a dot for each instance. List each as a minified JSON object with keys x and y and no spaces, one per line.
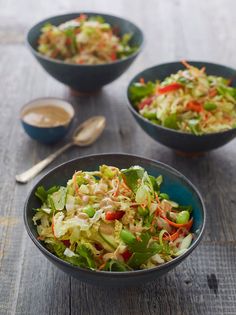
{"x":111,"y":219}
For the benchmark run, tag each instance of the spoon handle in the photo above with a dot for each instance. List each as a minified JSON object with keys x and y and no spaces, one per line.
{"x":37,"y":168}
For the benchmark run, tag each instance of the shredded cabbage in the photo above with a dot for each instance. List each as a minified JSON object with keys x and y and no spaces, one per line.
{"x":84,"y":40}
{"x":190,"y":101}
{"x":113,"y":220}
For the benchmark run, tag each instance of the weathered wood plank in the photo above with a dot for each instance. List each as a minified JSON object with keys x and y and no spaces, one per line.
{"x":201,"y":284}
{"x":174,"y":29}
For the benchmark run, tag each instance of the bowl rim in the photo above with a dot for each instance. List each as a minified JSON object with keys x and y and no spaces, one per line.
{"x":123,"y":274}
{"x":56,"y":61}
{"x":50,"y":98}
{"x":135,"y":112}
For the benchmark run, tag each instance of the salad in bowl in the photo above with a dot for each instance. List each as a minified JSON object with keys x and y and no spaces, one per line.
{"x":84,"y":40}
{"x":189,"y":101}
{"x":113,"y":219}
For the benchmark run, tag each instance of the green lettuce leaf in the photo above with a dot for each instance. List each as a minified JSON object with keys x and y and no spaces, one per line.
{"x":86,"y":256}
{"x":59,"y":198}
{"x":107,"y":171}
{"x":56,"y":247}
{"x":185,"y":208}
{"x":194,"y":126}
{"x":97,"y":18}
{"x":115,"y":265}
{"x":126,"y":38}
{"x":132,"y":176}
{"x":43,"y":194}
{"x":138,"y":91}
{"x":139,"y":258}
{"x":82,"y":258}
{"x":69,"y":32}
{"x":227,"y":90}
{"x":171,"y":122}
{"x":142,"y":251}
{"x":156,"y":182}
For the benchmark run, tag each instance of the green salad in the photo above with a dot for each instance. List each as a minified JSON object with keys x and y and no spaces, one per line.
{"x":84,"y":40}
{"x":189,"y":101}
{"x":113,"y":220}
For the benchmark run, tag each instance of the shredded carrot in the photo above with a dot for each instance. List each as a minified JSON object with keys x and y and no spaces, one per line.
{"x":203,"y":69}
{"x":102,"y":266}
{"x":53,"y":226}
{"x":158,"y":211}
{"x":157,"y":199}
{"x":172,"y":237}
{"x":141,"y":80}
{"x":186,"y":64}
{"x":116,"y":193}
{"x":76,"y":187}
{"x":41,"y":238}
{"x":187,"y":225}
{"x":230,"y":80}
{"x":123,"y":183}
{"x":212,"y":92}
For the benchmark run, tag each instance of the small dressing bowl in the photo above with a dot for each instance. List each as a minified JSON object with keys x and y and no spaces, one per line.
{"x":47,"y":120}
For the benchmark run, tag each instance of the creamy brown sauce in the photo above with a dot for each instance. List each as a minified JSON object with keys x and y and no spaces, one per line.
{"x":46,"y":116}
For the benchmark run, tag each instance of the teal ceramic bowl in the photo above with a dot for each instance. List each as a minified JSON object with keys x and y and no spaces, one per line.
{"x":174,"y":139}
{"x":86,"y":78}
{"x":175,"y":184}
{"x":47,"y":135}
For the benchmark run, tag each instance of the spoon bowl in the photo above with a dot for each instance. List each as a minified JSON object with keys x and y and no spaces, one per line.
{"x":89,"y":131}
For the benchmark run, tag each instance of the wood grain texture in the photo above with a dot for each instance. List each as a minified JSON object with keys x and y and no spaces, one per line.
{"x":174,"y":29}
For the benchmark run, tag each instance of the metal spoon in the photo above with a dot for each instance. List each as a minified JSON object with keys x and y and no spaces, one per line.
{"x":84,"y":135}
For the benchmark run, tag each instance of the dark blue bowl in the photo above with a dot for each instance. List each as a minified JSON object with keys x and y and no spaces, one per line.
{"x":85,"y":78}
{"x":175,"y":184}
{"x":174,"y":139}
{"x":47,"y":135}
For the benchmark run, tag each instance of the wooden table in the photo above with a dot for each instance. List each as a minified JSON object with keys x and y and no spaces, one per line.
{"x":206,"y":282}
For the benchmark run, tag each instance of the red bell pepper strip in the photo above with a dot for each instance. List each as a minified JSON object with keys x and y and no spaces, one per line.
{"x":114,"y":215}
{"x":146,"y":102}
{"x":194,"y":106}
{"x":98,"y":246}
{"x":169,"y":88}
{"x":68,"y":41}
{"x":66,"y":243}
{"x":126,"y":255}
{"x":113,"y":56}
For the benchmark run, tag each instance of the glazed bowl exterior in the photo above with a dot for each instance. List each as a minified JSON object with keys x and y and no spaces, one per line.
{"x":174,"y":139}
{"x":175,"y":184}
{"x":85,"y":78}
{"x":47,"y":135}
